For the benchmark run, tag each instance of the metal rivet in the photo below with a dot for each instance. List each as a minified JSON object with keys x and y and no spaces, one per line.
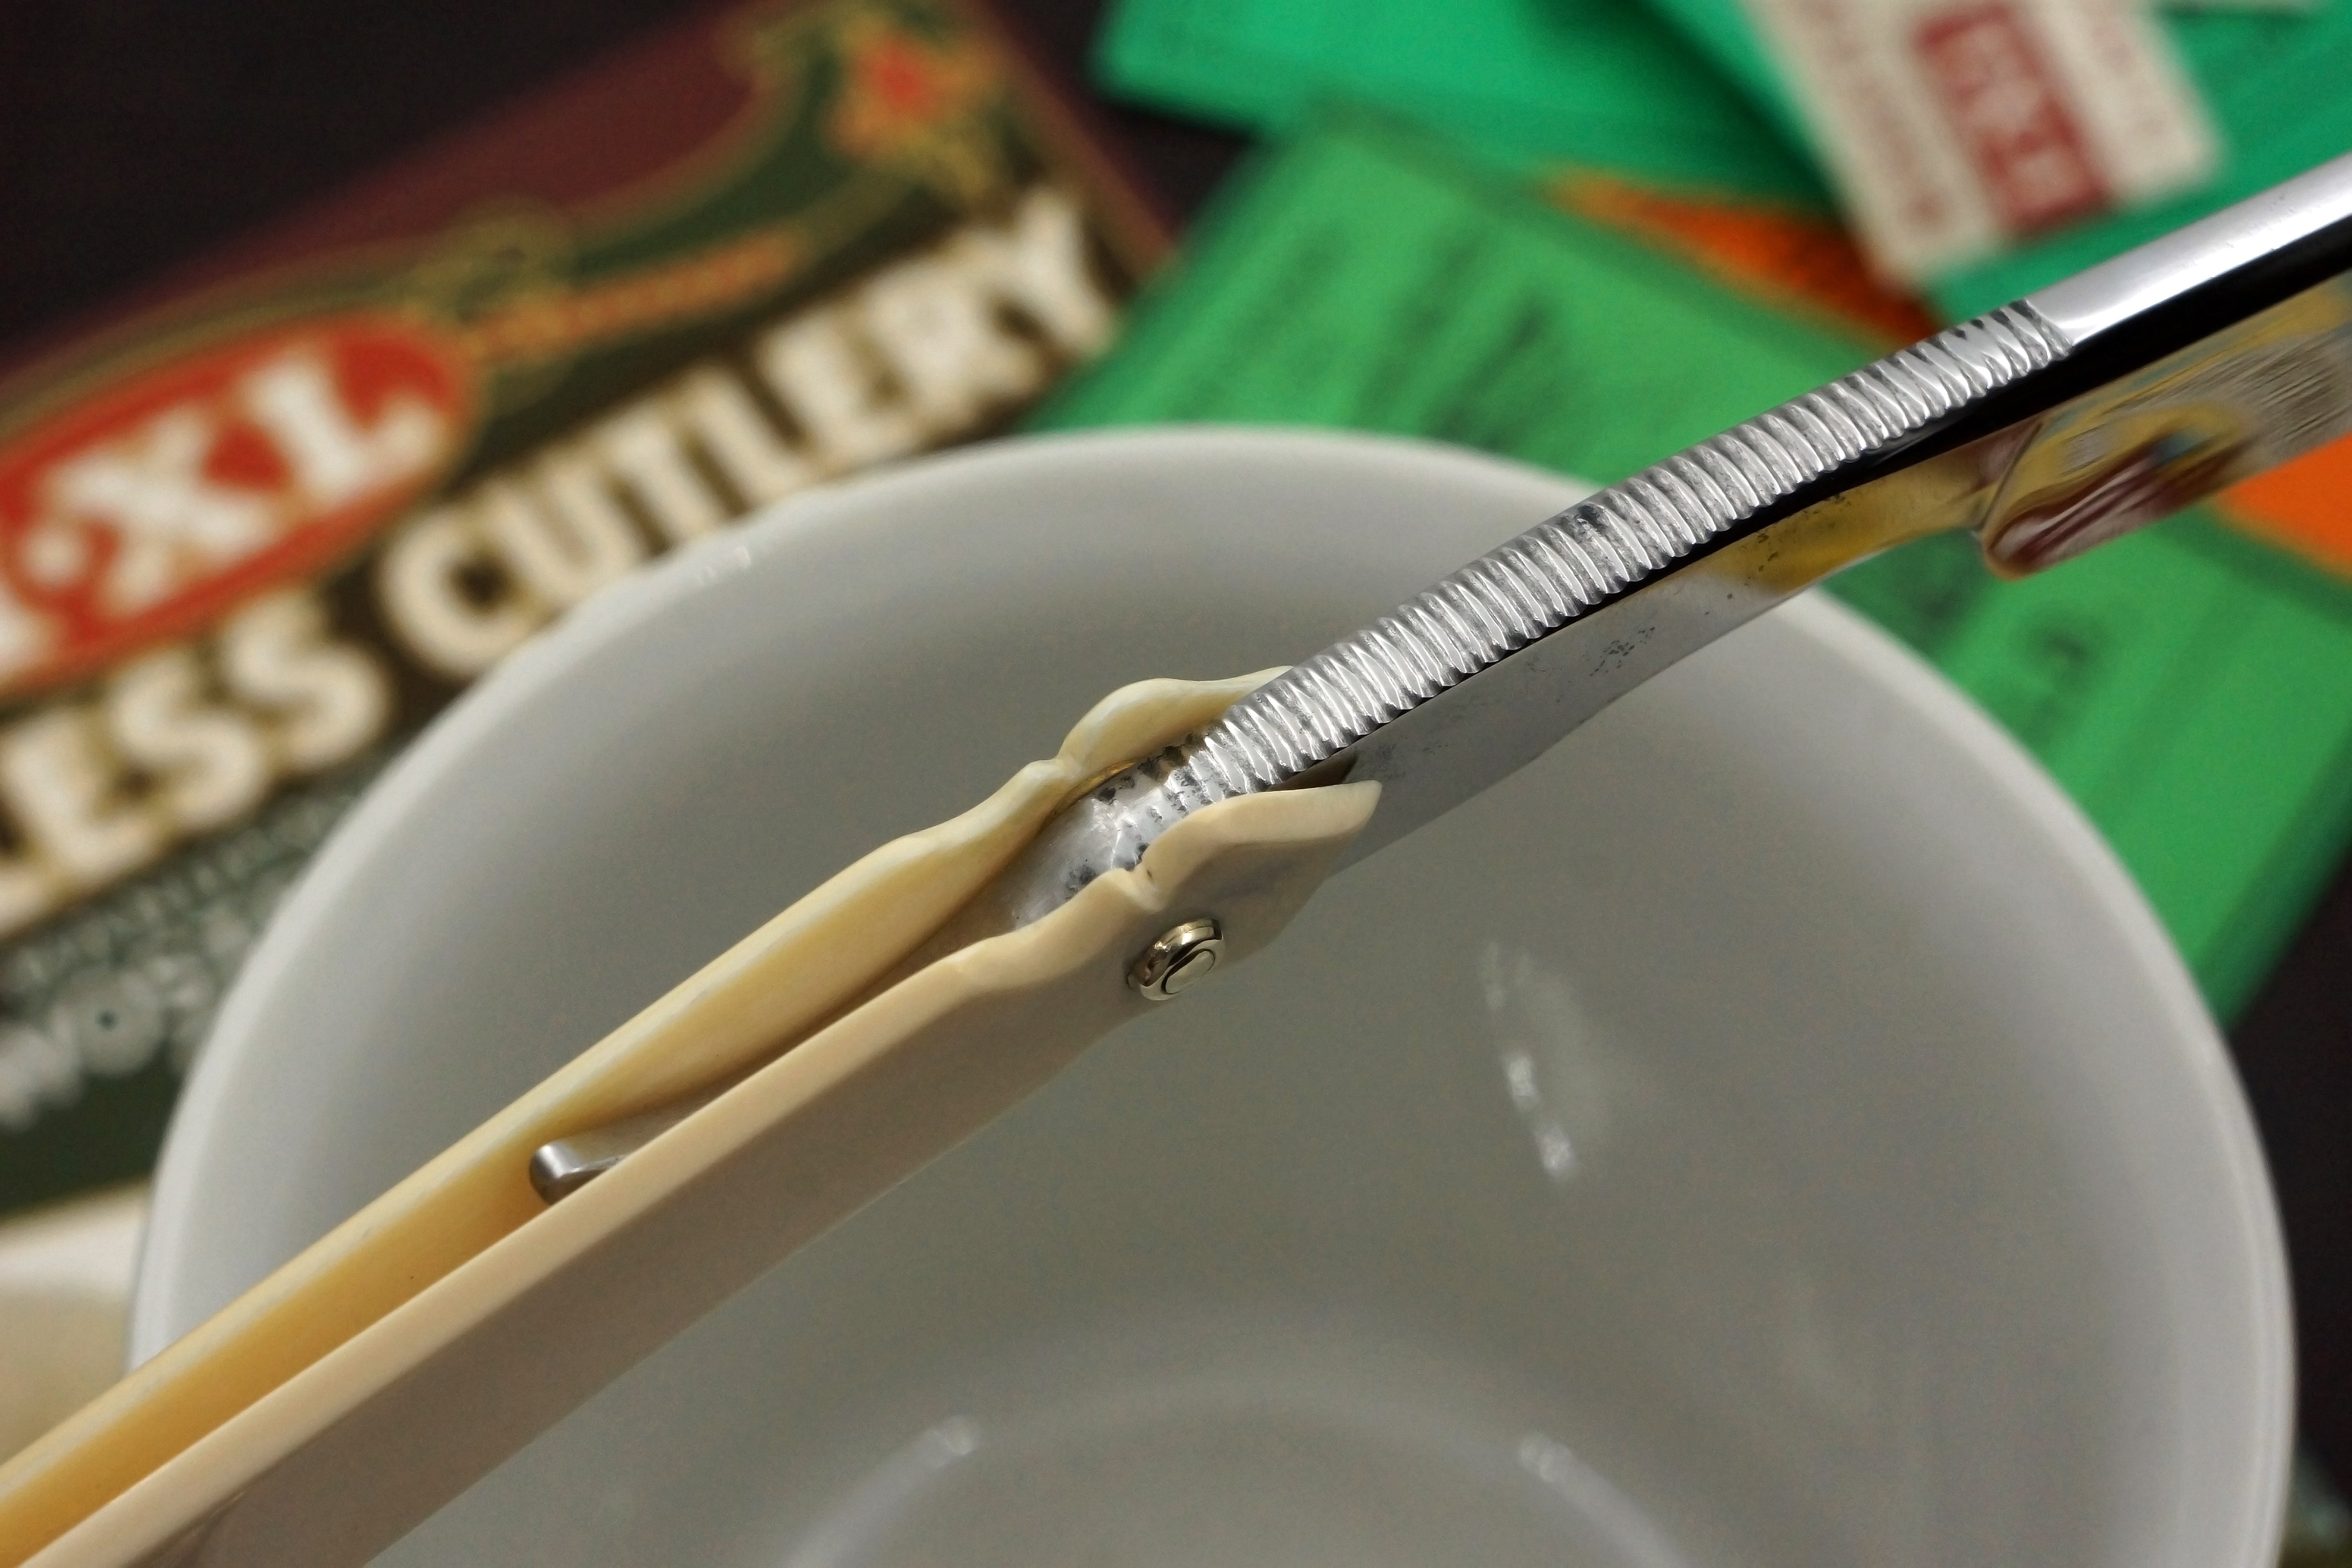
{"x":1183,"y":956}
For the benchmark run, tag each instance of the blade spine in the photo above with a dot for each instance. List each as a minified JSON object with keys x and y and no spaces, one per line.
{"x":1645,"y":524}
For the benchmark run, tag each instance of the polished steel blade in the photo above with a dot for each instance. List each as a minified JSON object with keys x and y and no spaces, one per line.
{"x":2053,"y":423}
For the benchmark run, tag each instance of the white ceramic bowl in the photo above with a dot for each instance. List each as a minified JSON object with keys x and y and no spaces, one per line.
{"x":1770,"y":1131}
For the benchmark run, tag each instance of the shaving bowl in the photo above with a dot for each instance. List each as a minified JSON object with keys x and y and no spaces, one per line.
{"x":1771,"y":1129}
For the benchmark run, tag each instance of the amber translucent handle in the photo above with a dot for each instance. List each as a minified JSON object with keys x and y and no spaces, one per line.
{"x":376,"y":1375}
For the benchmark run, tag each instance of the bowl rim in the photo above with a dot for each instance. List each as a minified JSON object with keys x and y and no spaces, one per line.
{"x":478,"y":712}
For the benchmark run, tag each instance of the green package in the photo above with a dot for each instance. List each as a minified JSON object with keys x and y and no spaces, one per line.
{"x":2275,"y":84}
{"x":2279,"y":86}
{"x":1591,"y":82}
{"x":1721,"y":32}
{"x":2192,"y":690}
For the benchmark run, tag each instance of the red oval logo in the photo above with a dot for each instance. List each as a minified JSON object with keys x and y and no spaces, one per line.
{"x":147,"y":511}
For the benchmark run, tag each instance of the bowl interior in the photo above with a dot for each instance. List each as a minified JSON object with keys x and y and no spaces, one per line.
{"x":1769,"y":1130}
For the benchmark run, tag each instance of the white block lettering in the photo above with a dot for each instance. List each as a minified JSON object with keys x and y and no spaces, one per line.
{"x":721,"y":414}
{"x":420,"y":587}
{"x":935,"y":322}
{"x":333,"y":456}
{"x":63,"y":788}
{"x":26,"y":634}
{"x":171,"y":521}
{"x":1039,"y":264}
{"x":643,"y":448}
{"x":566,"y":536}
{"x":208,"y":762}
{"x":824,"y":377}
{"x":324,"y":701}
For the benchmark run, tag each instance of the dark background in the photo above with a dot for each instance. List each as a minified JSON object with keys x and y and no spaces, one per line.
{"x":136,"y":135}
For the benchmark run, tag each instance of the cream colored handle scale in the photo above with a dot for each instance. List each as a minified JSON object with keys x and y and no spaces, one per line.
{"x":324,"y":1413}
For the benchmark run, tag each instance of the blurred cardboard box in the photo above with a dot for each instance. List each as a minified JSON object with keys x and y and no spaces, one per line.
{"x":263,"y":522}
